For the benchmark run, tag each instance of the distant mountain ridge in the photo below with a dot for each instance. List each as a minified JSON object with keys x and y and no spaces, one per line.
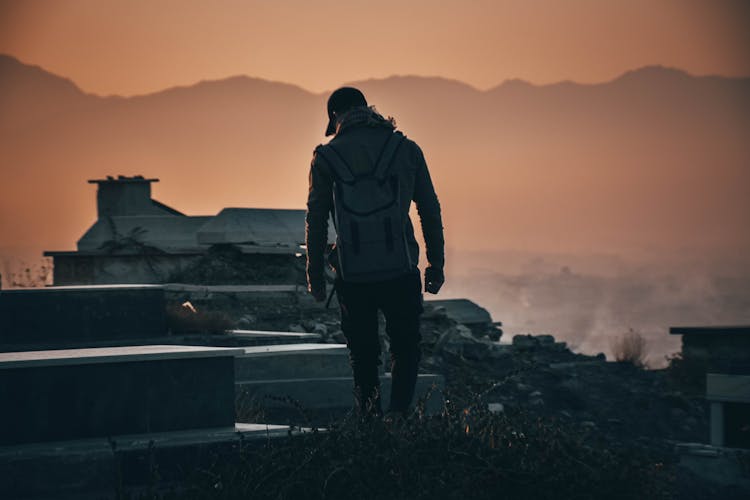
{"x":11,"y":67}
{"x":655,"y":157}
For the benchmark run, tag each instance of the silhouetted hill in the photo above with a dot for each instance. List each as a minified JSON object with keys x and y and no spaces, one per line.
{"x":29,"y":93}
{"x":655,"y":159}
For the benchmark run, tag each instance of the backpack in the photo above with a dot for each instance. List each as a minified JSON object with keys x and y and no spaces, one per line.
{"x":371,"y":243}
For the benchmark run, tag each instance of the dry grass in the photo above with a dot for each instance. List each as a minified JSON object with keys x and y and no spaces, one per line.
{"x":463,"y":452}
{"x":630,"y":348}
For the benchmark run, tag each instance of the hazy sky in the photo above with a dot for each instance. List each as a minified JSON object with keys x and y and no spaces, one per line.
{"x":138,"y":46}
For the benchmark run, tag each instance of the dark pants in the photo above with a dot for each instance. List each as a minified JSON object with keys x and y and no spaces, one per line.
{"x":400,"y":299}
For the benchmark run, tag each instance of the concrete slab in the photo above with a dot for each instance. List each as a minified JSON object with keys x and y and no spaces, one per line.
{"x":80,"y":313}
{"x":268,"y":334}
{"x":710,"y":330}
{"x":57,"y":395}
{"x":258,"y":337}
{"x":292,"y":361}
{"x":122,"y":464}
{"x":728,"y":388}
{"x":290,"y":349}
{"x":129,"y":354}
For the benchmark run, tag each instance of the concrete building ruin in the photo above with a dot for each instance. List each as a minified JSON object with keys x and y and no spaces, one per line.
{"x":137,"y":239}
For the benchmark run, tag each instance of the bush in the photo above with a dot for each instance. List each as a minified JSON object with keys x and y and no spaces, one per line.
{"x":630,"y":348}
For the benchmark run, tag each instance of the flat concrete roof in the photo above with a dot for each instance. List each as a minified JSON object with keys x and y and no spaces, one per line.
{"x":168,"y":233}
{"x":84,"y":288}
{"x":122,"y":179}
{"x":710,"y":330}
{"x":99,"y":355}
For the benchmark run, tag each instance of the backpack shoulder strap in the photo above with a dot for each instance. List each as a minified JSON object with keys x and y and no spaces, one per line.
{"x":386,"y":156}
{"x":340,"y":169}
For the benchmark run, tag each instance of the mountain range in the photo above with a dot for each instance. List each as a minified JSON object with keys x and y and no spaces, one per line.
{"x":656,"y":160}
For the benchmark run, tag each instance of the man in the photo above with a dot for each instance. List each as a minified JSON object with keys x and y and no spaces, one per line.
{"x":367,"y":176}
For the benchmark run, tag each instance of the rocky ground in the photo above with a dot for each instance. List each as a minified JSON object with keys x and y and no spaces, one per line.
{"x":601,"y":404}
{"x":532,"y":373}
{"x":542,"y":376}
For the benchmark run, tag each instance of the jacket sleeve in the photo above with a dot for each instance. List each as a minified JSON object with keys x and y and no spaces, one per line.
{"x":428,"y":208}
{"x":319,"y":205}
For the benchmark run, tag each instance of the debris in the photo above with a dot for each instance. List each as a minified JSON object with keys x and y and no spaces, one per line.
{"x":496,"y":407}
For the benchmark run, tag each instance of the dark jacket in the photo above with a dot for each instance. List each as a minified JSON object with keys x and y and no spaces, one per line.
{"x":360,"y":145}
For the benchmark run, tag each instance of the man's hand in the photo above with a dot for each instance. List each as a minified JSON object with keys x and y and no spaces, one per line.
{"x":433,"y":279}
{"x":318,"y":291}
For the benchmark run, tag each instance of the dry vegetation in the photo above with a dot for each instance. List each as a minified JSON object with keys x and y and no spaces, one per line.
{"x":630,"y":348}
{"x":20,"y":274}
{"x":465,"y":452}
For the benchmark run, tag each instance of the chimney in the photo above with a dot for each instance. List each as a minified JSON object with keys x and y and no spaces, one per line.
{"x":124,"y":196}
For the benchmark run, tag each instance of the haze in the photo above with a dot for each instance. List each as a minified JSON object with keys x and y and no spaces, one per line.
{"x":140,"y":46}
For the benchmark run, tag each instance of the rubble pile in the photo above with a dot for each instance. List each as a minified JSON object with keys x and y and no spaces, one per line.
{"x":533,"y":373}
{"x":228,"y":265}
{"x":537,"y":374}
{"x":540,"y":375}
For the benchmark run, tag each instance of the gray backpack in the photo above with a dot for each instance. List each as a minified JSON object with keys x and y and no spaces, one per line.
{"x":370,"y":240}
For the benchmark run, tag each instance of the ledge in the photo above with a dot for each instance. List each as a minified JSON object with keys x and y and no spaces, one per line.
{"x":108,"y":355}
{"x":290,"y":349}
{"x":710,"y":330}
{"x":83,"y":288}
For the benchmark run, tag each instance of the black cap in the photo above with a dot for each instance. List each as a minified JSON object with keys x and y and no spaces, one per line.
{"x":342,"y":100}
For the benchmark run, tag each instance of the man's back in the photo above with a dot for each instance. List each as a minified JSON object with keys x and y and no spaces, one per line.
{"x":373,"y":174}
{"x":360,"y":147}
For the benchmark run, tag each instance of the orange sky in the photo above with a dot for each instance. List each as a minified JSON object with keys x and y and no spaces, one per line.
{"x":138,"y":46}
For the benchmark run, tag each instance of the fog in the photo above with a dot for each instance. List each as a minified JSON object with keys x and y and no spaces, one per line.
{"x":589,"y":300}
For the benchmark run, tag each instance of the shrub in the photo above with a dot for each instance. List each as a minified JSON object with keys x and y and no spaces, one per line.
{"x":630,"y":348}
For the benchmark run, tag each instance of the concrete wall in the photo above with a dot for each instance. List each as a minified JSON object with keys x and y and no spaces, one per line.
{"x":119,"y":269}
{"x":211,"y":268}
{"x":36,"y":318}
{"x":717,"y":351}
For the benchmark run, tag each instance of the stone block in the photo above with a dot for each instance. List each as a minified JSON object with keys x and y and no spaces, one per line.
{"x":262,"y":338}
{"x":80,"y":393}
{"x":725,"y":387}
{"x":61,"y":315}
{"x":123,"y":466}
{"x":730,"y":409}
{"x":292,"y":361}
